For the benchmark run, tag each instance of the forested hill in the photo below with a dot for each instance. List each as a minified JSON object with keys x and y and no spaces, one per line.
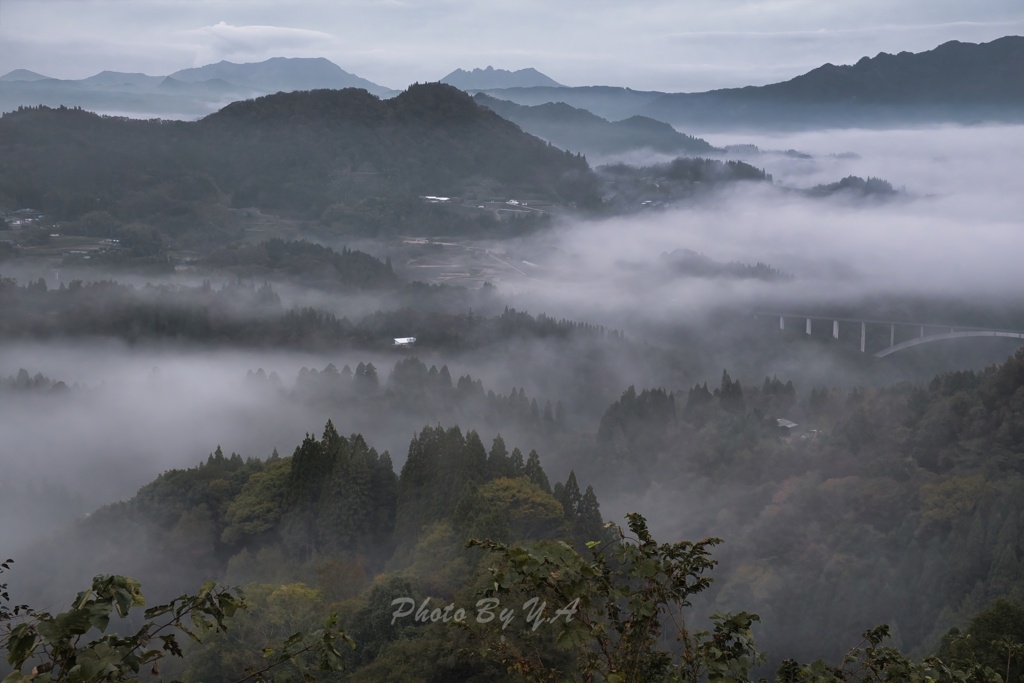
{"x":341,"y":153}
{"x":334,"y":525}
{"x":432,"y":139}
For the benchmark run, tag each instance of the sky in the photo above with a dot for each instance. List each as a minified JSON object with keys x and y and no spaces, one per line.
{"x":662,"y":45}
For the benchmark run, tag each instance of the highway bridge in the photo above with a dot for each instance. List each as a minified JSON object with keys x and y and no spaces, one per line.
{"x":922,"y":333}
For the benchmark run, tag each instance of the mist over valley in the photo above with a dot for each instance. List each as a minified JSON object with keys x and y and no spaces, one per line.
{"x":311,"y":342}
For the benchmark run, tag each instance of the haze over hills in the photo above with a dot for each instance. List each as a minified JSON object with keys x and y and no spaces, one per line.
{"x":185,"y":94}
{"x":609,"y":102}
{"x":577,"y":130}
{"x":483,"y":79}
{"x":22,"y":75}
{"x":120,"y":78}
{"x":955,"y":82}
{"x":281,"y":74}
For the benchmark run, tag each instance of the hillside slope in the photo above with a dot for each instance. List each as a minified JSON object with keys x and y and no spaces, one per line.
{"x":340,"y":156}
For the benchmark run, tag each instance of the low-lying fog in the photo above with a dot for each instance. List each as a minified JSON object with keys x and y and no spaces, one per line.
{"x":956,"y":232}
{"x":137,"y":412}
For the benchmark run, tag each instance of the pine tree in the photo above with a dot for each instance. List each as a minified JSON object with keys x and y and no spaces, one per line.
{"x":588,"y":525}
{"x":571,"y":496}
{"x":384,"y":486}
{"x":730,"y":395}
{"x":535,"y":473}
{"x":473,"y":466}
{"x":549,"y":415}
{"x":516,"y":463}
{"x":498,"y":463}
{"x":331,"y":439}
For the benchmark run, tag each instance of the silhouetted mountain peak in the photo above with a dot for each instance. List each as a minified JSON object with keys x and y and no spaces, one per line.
{"x":281,"y":74}
{"x":489,"y":78}
{"x":348,"y":105}
{"x":23,"y":75}
{"x":438,"y":103}
{"x":431,"y":104}
{"x":121,"y":78}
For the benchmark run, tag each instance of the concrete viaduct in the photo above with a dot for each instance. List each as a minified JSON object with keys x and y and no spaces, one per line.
{"x":926,"y":333}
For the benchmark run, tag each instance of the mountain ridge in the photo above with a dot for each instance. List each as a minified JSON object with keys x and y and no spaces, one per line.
{"x":280,"y":73}
{"x":184,"y":94}
{"x":955,"y":82}
{"x":578,"y":130}
{"x":21,"y":75}
{"x":483,"y":79}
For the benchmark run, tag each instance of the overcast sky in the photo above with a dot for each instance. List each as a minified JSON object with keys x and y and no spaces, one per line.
{"x":669,"y":45}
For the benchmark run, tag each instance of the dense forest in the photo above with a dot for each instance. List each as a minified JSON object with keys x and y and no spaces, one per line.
{"x":336,"y":515}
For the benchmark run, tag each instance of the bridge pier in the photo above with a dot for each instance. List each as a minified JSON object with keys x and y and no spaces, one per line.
{"x":926,"y":332}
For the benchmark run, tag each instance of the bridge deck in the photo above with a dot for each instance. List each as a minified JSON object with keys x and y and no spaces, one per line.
{"x":953,"y":331}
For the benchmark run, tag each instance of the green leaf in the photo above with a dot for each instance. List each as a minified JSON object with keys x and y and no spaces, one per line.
{"x":20,"y":644}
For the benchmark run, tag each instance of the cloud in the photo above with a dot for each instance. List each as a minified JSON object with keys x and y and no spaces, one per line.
{"x":223,"y":41}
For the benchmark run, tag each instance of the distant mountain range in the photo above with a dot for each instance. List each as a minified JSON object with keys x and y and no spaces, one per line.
{"x":484,"y":79}
{"x":281,"y":74}
{"x":189,"y":93}
{"x":956,"y":82}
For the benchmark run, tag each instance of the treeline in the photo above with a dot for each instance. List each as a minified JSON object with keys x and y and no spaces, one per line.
{"x":413,"y":392}
{"x":304,"y":263}
{"x":246,"y":315}
{"x":628,"y":188}
{"x":24,"y":382}
{"x":855,"y":186}
{"x":692,"y":264}
{"x":336,"y":496}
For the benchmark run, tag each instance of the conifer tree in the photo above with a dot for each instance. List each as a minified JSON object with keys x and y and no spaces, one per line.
{"x":571,"y":496}
{"x":498,"y":462}
{"x":588,"y":525}
{"x":534,"y":472}
{"x":517,"y":465}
